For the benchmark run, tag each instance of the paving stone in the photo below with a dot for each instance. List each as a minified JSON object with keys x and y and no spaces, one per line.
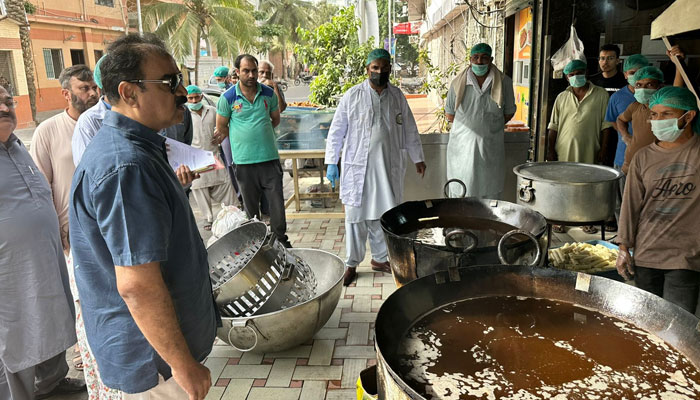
{"x":362,"y":303}
{"x":344,"y":303}
{"x":320,"y":373}
{"x":365,"y":279}
{"x":313,"y":390}
{"x":387,"y":289}
{"x":358,"y":333}
{"x":251,"y":358}
{"x":334,"y":319}
{"x":384,"y":279}
{"x":341,"y":394}
{"x":237,"y":389}
{"x":224,"y":351}
{"x":296,"y":352}
{"x":376,"y":303}
{"x":246,"y":371}
{"x":215,"y":365}
{"x":351,"y":371}
{"x":215,"y":393}
{"x":354,"y":352}
{"x":358,"y":317}
{"x":321,"y":352}
{"x":260,"y":393}
{"x":363,"y":290}
{"x":331,"y":333}
{"x":281,"y":373}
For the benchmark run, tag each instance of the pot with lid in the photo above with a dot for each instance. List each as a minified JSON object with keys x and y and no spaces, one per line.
{"x":427,"y":236}
{"x":568,"y":192}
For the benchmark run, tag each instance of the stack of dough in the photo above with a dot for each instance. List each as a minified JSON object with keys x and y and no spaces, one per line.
{"x":583,"y":257}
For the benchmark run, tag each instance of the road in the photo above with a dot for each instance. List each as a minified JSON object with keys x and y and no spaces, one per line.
{"x":296,"y":93}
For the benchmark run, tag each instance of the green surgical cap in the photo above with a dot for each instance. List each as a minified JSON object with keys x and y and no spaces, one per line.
{"x":481,"y":48}
{"x":649,"y":73}
{"x":376,"y":54}
{"x":221,"y":72}
{"x":676,"y":97}
{"x":96,"y":74}
{"x":574,"y":65}
{"x":635,"y":61}
{"x":193,"y":89}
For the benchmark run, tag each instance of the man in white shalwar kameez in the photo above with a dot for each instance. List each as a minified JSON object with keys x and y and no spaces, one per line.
{"x":372,"y":130}
{"x":479,"y":103}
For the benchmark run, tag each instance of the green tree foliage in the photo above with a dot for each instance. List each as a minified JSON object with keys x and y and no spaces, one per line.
{"x":227,"y":24}
{"x":406,"y":53}
{"x":289,"y":15}
{"x":333,"y":52}
{"x":437,"y":81}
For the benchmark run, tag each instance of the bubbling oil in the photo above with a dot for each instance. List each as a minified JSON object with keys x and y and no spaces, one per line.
{"x":527,"y":348}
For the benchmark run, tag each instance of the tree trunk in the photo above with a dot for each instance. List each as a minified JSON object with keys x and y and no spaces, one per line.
{"x":15,"y":10}
{"x":196,"y":56}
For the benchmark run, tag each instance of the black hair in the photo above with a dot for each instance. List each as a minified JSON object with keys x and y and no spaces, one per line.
{"x":80,"y":71}
{"x":242,"y":57}
{"x":135,"y":38}
{"x":610,"y":47}
{"x":125,"y":63}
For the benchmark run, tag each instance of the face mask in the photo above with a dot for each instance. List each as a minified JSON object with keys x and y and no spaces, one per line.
{"x":631,"y":80}
{"x":577,"y":81}
{"x":195,"y":106}
{"x":643,"y":95}
{"x":480,"y":69}
{"x":666,"y":130}
{"x":221,"y":85}
{"x":379,"y":78}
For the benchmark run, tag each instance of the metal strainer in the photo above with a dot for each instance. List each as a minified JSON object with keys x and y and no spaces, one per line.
{"x":252,"y":272}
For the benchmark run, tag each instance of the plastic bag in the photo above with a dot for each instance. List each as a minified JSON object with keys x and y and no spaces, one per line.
{"x":571,"y":50}
{"x":228,"y":219}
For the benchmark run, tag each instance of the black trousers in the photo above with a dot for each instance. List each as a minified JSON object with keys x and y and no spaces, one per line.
{"x":264,"y":179}
{"x":679,"y":286}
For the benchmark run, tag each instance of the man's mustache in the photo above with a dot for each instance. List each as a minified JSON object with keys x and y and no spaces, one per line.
{"x":180,"y":100}
{"x":5,"y":114}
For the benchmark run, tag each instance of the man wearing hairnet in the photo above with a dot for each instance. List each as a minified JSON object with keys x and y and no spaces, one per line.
{"x":479,"y":103}
{"x":578,"y":118}
{"x":373,"y":128}
{"x":223,"y":80}
{"x":617,"y":104}
{"x":646,"y":82}
{"x":661,"y":204}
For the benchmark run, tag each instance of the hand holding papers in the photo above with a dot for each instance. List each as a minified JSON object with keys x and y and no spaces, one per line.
{"x":197,"y":160}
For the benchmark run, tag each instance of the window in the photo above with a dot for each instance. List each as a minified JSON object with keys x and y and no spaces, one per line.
{"x":98,"y":55}
{"x":7,"y":75}
{"x":3,"y":10}
{"x":77,"y":57}
{"x":53,"y":60}
{"x":106,"y":3}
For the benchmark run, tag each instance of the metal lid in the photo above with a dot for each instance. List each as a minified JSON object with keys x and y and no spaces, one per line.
{"x":566,"y":172}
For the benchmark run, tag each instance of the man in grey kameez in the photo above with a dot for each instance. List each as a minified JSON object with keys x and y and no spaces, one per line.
{"x":36,"y":312}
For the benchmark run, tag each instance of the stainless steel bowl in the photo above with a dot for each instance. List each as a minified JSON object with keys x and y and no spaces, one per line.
{"x":289,"y":327}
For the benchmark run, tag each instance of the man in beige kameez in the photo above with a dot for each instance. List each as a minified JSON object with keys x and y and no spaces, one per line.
{"x":214,"y":186}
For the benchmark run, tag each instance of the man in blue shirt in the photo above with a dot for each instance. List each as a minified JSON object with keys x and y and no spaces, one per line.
{"x":140,"y":264}
{"x":618,"y":103}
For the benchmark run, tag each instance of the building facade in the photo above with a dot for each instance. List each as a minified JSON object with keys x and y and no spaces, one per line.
{"x":12,"y":72}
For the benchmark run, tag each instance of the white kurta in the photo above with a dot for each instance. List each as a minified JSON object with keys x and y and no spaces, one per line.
{"x":476,"y":149}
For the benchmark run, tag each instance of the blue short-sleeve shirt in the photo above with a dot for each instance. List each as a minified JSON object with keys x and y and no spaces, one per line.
{"x":618,"y":103}
{"x":128,"y":208}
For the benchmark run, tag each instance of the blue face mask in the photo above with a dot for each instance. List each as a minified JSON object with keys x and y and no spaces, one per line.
{"x":195,"y":106}
{"x":480,"y":69}
{"x":577,"y":81}
{"x":666,"y":130}
{"x":221,"y":85}
{"x":642,"y":95}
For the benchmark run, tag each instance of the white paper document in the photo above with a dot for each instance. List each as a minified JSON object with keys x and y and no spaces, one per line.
{"x":197,"y":160}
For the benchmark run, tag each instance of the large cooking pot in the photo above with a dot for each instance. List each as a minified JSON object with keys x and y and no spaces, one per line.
{"x":471,"y":231}
{"x":568,"y":192}
{"x":411,"y":302}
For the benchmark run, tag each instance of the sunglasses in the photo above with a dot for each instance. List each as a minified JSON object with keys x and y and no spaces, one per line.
{"x":173,"y":82}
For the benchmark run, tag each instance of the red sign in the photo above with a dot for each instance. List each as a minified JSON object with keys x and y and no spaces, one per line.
{"x":407,"y":28}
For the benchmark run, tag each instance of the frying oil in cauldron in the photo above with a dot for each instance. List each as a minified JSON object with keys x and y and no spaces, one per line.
{"x":526,"y":348}
{"x":488,"y":232}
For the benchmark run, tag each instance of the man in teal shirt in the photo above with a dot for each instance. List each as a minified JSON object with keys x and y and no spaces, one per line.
{"x":249,"y":111}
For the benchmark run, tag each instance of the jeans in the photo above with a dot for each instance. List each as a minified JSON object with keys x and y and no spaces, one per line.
{"x":679,"y":286}
{"x":620,"y":193}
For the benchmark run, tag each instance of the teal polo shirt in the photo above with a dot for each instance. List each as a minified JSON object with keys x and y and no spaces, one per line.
{"x":250,"y":128}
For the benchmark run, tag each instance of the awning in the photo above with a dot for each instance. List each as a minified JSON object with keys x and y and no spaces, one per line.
{"x":679,"y":17}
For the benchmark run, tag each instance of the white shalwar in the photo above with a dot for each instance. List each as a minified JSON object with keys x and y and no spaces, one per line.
{"x":374,"y":131}
{"x":476,"y":149}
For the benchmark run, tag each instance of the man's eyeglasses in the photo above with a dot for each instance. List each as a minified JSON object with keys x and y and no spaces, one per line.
{"x":9,"y":102}
{"x":173,"y":82}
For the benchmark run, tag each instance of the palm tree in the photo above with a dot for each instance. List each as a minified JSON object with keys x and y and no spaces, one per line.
{"x":227,"y":24}
{"x":16,"y":11}
{"x":289,"y":14}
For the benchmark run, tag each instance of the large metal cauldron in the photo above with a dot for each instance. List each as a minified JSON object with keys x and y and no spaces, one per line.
{"x":411,"y":258}
{"x":289,"y":327}
{"x":568,"y":192}
{"x":411,"y":302}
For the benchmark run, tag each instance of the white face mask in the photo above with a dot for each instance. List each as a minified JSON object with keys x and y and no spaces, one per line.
{"x":667,"y":130}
